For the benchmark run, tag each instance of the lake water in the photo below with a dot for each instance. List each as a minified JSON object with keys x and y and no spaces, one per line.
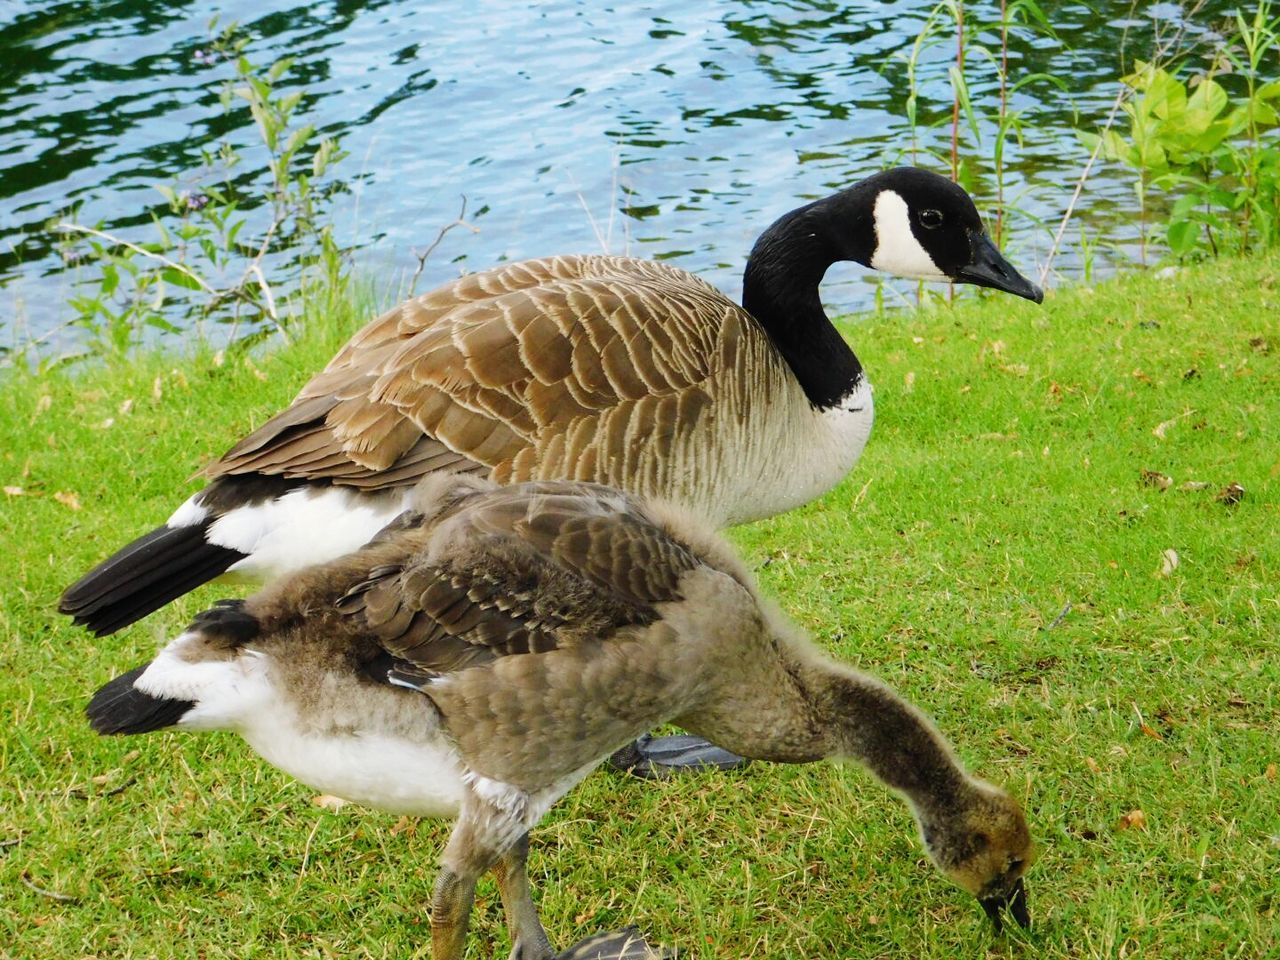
{"x":667,"y":129}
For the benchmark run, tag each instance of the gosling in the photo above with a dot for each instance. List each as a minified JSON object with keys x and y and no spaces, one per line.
{"x":491,"y":646}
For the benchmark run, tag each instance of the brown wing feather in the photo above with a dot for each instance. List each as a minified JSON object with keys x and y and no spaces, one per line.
{"x":596,"y":533}
{"x":522,"y":570}
{"x":541,"y":368}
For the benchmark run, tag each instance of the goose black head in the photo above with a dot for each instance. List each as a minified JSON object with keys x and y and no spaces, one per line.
{"x":984,"y":846}
{"x":927,"y":228}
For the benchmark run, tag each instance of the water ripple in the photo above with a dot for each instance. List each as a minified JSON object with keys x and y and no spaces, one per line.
{"x":665,"y":128}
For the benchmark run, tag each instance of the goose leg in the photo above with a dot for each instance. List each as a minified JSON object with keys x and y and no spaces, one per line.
{"x":450,"y":914}
{"x":656,"y":758}
{"x":528,"y":939}
{"x":474,"y":847}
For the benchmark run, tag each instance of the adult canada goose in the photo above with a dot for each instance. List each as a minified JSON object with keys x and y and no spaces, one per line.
{"x":626,"y":372}
{"x":484,"y":652}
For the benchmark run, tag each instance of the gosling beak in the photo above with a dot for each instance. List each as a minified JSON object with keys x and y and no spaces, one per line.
{"x":1015,"y":899}
{"x":987,"y":267}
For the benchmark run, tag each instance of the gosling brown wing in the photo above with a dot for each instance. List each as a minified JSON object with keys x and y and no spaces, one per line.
{"x":534,"y":568}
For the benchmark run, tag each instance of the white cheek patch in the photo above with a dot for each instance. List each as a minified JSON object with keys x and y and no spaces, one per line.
{"x":897,"y":249}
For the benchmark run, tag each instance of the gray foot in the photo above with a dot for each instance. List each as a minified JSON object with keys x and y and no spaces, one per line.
{"x":628,"y":944}
{"x":655,"y":758}
{"x":534,"y":951}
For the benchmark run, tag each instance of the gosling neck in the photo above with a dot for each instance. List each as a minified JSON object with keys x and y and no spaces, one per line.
{"x":780,"y":289}
{"x":869,"y":723}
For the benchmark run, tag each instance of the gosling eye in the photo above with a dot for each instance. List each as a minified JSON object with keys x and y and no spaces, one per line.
{"x":930,"y":219}
{"x":1015,"y":864}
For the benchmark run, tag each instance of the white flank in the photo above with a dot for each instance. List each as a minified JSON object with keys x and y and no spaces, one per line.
{"x":421,"y":776}
{"x":897,"y":249}
{"x":305,"y":526}
{"x":189,"y":514}
{"x":417,"y":778}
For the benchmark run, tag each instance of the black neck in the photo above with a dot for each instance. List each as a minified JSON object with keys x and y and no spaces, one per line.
{"x":780,"y":289}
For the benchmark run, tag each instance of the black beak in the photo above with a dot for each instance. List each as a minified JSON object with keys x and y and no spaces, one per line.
{"x":1016,"y":902}
{"x":987,"y":267}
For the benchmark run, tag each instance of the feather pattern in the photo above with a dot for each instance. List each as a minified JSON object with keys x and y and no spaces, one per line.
{"x":606,"y":369}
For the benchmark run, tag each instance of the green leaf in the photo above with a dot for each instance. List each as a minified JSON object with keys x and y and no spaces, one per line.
{"x":1089,"y":139}
{"x":961,"y":89}
{"x":1031,"y":11}
{"x":110,"y":279}
{"x":266,"y":127}
{"x":1209,"y":96}
{"x":1040,"y":78}
{"x":1260,"y":113}
{"x":1168,"y":97}
{"x":321,"y":158}
{"x":1114,"y":147}
{"x":1183,"y":206}
{"x":158,"y":321}
{"x":1182,"y":236}
{"x":298,"y":138}
{"x":179,"y":279}
{"x":279,"y":68}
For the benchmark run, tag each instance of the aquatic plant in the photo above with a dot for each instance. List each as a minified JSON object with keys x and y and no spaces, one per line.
{"x":214,"y":255}
{"x":1214,"y":155}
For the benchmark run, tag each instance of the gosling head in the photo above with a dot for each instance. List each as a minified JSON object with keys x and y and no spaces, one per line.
{"x":984,"y":846}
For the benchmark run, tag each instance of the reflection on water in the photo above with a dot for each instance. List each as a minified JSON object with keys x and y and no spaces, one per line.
{"x":665,"y":128}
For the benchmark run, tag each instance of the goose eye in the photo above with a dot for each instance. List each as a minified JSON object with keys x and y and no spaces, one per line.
{"x":931,"y":219}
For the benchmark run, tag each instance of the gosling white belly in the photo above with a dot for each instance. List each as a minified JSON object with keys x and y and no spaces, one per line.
{"x":396,"y":775}
{"x":380,"y":747}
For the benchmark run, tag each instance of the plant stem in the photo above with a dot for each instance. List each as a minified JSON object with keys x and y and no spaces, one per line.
{"x":955,"y":104}
{"x":955,"y":112}
{"x":1004,"y":109}
{"x":79,"y":228}
{"x":1075,"y":196}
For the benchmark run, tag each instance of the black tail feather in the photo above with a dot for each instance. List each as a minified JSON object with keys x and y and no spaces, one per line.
{"x":227,"y":624}
{"x":145,"y":575}
{"x":120,"y":707}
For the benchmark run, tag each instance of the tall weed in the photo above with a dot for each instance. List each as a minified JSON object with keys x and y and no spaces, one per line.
{"x":226,"y":251}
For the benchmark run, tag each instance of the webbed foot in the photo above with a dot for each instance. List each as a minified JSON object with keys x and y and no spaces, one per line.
{"x":628,"y":944}
{"x":656,"y":758}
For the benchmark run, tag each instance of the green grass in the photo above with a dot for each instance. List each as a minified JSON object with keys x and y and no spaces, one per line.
{"x":1003,"y":482}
